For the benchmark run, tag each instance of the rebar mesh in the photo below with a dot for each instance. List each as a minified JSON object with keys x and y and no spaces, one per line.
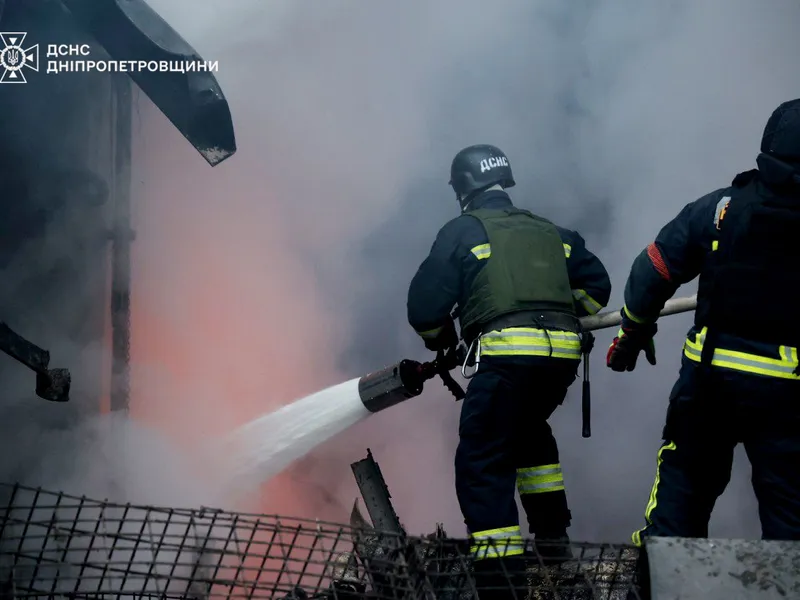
{"x":56,"y":545}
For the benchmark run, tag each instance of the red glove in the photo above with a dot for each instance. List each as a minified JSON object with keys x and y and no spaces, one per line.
{"x":630,"y":341}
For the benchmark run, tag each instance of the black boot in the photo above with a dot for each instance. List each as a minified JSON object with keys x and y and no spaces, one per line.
{"x":549,"y":518}
{"x":501,"y":578}
{"x":553,"y":549}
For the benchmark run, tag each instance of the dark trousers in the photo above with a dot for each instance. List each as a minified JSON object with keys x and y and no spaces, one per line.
{"x":504,"y":431}
{"x":706,"y":419}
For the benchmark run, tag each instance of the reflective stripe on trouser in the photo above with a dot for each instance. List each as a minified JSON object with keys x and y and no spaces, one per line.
{"x":538,"y":480}
{"x":653,"y":501}
{"x":503,"y":426}
{"x":497,"y":543}
{"x":783,"y":368}
{"x":529,"y":341}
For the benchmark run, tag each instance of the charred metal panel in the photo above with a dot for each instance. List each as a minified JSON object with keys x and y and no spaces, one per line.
{"x":711,"y":569}
{"x":376,"y":495}
{"x":193,"y":101}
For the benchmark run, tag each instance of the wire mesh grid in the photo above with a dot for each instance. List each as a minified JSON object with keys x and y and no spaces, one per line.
{"x":55,"y":545}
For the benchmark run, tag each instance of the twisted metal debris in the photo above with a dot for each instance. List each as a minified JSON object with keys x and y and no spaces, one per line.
{"x":443,"y":570}
{"x":57,"y":545}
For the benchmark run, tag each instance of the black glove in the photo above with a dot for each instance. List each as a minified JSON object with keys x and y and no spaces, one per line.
{"x":447,"y":338}
{"x":630,"y":341}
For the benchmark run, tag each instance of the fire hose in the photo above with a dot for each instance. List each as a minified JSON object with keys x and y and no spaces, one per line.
{"x":406,"y":379}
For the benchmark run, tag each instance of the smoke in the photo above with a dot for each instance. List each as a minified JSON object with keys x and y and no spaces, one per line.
{"x":285,"y":269}
{"x":56,"y":184}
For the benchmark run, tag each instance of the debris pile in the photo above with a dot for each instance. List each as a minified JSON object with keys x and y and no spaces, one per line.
{"x":56,"y":545}
{"x":436,"y":566}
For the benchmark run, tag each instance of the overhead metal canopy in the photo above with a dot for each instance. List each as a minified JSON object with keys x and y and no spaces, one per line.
{"x":193,"y":101}
{"x":711,"y":569}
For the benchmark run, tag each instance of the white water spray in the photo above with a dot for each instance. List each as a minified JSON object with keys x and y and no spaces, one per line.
{"x":267,"y":445}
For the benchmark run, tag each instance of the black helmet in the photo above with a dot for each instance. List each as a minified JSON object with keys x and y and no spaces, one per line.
{"x":779,"y":161}
{"x":476,"y":168}
{"x":781,"y":137}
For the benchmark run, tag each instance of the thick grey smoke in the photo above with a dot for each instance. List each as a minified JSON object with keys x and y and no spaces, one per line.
{"x":56,"y":188}
{"x":347,"y":116}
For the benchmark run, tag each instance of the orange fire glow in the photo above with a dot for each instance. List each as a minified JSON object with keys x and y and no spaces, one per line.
{"x":227,"y":323}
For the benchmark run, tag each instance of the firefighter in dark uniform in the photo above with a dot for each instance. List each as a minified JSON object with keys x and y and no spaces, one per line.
{"x":520,"y":284}
{"x":739,"y":379}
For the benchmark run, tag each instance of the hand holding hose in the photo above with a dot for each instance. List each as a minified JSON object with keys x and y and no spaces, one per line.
{"x":446,"y":360}
{"x":632,"y":339}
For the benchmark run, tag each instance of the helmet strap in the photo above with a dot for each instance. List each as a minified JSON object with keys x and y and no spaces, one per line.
{"x":465,"y":201}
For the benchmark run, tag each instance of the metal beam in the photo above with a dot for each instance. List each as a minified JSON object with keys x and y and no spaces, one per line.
{"x":121,"y":241}
{"x":129,"y":30}
{"x":376,"y":495}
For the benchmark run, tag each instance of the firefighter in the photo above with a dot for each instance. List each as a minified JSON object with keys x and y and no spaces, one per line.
{"x":739,"y":379}
{"x":520,"y":283}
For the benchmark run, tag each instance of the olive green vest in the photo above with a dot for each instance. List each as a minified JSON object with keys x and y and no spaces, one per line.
{"x":527,"y":269}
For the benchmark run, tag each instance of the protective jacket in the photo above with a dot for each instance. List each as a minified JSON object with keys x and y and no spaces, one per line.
{"x":740,"y":241}
{"x":527,"y":272}
{"x":457,"y":272}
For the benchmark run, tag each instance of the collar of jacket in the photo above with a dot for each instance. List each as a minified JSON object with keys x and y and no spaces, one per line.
{"x":493,"y":199}
{"x":781,"y":177}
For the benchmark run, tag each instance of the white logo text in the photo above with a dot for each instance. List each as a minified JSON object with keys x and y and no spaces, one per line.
{"x":487,"y":164}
